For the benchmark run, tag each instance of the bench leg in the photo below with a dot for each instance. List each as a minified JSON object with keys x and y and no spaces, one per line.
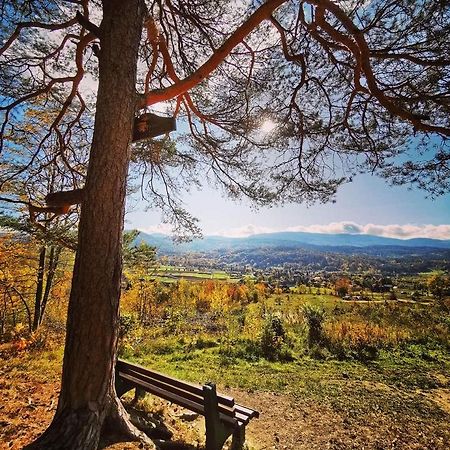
{"x":122,"y":386}
{"x":216,"y":431}
{"x":238,"y":438}
{"x":139,"y":394}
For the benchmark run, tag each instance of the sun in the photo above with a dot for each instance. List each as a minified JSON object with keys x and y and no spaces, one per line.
{"x":267,"y":126}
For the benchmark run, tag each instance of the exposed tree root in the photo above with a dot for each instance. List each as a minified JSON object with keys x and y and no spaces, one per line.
{"x":118,"y":427}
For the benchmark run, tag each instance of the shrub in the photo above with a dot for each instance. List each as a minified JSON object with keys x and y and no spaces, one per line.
{"x":201,"y":342}
{"x":274,"y":340}
{"x":127,"y":323}
{"x":246,"y":349}
{"x":202,"y":305}
{"x":314,"y":317}
{"x":172,"y":320}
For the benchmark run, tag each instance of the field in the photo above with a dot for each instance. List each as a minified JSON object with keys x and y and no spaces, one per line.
{"x":171,"y":274}
{"x":376,"y":377}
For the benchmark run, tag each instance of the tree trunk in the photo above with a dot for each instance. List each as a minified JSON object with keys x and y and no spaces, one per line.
{"x":39,"y":288}
{"x":53,"y":261}
{"x":88,"y":400}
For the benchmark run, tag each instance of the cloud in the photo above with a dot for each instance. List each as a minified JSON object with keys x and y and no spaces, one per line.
{"x":407,"y":231}
{"x":246,"y":230}
{"x":331,"y":228}
{"x":161,"y":228}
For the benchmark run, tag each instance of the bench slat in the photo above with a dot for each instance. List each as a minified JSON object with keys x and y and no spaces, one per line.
{"x":162,"y":385}
{"x":246,"y":411}
{"x":241,"y":418}
{"x":172,"y":390}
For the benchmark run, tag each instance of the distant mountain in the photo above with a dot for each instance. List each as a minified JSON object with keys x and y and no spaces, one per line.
{"x":345,"y":243}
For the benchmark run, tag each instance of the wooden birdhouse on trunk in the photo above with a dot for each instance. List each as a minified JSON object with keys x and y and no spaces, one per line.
{"x":149,"y":125}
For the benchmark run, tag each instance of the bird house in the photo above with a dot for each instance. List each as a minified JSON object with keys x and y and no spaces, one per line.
{"x":150,"y":125}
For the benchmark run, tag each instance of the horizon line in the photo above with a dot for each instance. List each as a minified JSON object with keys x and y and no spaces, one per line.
{"x":392,"y":231}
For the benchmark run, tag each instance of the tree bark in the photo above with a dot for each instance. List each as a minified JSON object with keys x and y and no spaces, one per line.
{"x":88,"y":399}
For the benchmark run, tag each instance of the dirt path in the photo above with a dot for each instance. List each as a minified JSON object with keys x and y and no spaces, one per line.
{"x":294,"y":424}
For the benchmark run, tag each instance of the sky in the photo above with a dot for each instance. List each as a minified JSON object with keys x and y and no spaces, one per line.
{"x":368,"y":205}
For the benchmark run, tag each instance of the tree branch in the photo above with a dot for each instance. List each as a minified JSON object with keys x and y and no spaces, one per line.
{"x":261,"y":14}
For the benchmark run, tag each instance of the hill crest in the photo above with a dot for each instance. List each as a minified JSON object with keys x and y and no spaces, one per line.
{"x":288,"y":239}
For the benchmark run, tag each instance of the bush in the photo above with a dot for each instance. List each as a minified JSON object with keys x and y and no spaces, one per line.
{"x":202,"y":305}
{"x":246,"y":349}
{"x":200,"y":343}
{"x":274,"y":342}
{"x":127,"y":323}
{"x":314,"y":317}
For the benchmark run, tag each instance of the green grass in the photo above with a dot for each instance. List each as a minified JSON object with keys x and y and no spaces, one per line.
{"x":398,"y":385}
{"x":394,"y":387}
{"x":233,"y":357}
{"x":210,"y":364}
{"x":392,"y":391}
{"x":169,"y":274}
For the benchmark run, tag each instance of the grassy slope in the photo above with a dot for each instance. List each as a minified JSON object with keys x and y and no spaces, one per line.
{"x":399,"y":403}
{"x":405,"y":391}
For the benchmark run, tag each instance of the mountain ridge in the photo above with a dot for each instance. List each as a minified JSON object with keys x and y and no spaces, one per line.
{"x":289,"y":239}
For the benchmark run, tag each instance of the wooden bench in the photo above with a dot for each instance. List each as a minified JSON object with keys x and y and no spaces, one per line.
{"x":223,"y":418}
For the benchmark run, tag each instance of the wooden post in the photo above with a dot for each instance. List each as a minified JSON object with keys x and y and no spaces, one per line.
{"x":122,"y":386}
{"x":238,"y":438}
{"x":216,"y":431}
{"x":139,"y":394}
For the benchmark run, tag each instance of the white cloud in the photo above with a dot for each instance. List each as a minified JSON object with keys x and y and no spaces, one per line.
{"x":246,"y":230}
{"x":161,"y":228}
{"x":331,"y":228}
{"x":407,"y":231}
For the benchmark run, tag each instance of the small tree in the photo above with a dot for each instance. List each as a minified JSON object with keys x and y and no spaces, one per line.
{"x":44,"y":263}
{"x":439,"y":286}
{"x":273,"y":337}
{"x":314,"y":318}
{"x":342,"y":287}
{"x":139,"y":257}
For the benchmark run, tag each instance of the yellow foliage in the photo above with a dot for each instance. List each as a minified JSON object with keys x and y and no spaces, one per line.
{"x":355,"y":335}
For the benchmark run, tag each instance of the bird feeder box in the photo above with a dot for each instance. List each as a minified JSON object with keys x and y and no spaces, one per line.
{"x":150,"y":125}
{"x":64,"y":198}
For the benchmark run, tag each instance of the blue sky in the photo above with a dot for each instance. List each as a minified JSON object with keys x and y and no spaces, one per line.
{"x":368,"y":205}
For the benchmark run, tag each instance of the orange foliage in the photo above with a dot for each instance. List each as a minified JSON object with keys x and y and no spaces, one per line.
{"x":343,"y":286}
{"x":356,"y":335}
